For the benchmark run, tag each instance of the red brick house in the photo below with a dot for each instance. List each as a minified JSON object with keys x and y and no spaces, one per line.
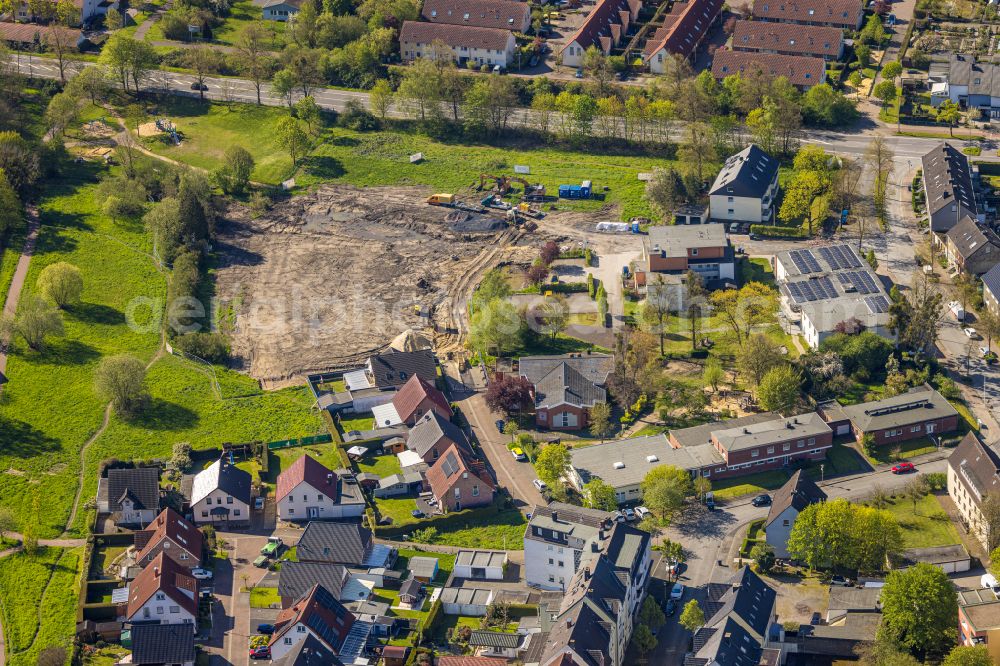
{"x":460,"y":481}
{"x":565,"y":387}
{"x":173,"y":536}
{"x":919,"y":412}
{"x":418,"y":397}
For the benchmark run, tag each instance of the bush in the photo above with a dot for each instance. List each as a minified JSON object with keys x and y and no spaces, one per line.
{"x":778,"y":232}
{"x":211,"y":347}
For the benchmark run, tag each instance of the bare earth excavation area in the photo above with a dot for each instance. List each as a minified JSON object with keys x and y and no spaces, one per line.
{"x":337,"y":272}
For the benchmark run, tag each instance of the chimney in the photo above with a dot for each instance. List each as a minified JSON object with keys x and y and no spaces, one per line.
{"x":586,"y":572}
{"x":555,"y":516}
{"x":595,"y":547}
{"x":329,"y":479}
{"x":156,"y":572}
{"x":569,"y":623}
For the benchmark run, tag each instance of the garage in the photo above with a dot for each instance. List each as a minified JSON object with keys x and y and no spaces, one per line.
{"x":465,"y":601}
{"x":480,"y":564}
{"x":950,"y":559}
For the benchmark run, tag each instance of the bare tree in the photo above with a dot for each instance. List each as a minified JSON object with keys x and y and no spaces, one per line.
{"x":255,"y":62}
{"x":879,"y":158}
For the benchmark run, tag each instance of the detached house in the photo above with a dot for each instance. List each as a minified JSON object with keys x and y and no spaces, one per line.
{"x":746,"y":188}
{"x":566,"y":387}
{"x":280,"y":10}
{"x":309,"y":491}
{"x":973,"y":474}
{"x":170,"y":535}
{"x":460,"y":481}
{"x":788,"y":502}
{"x":131,"y":495}
{"x":417,"y":398}
{"x":433,"y":435}
{"x":163,"y":593}
{"x":348,"y":544}
{"x":948,"y":188}
{"x":972,"y":248}
{"x":604,"y":28}
{"x":318,"y":615}
{"x":220,"y":495}
{"x":673,"y":250}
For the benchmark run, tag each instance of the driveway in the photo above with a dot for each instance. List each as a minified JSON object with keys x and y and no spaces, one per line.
{"x":515,"y":476}
{"x":231,"y":614}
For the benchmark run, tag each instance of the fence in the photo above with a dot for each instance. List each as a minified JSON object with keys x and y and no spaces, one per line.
{"x":302,"y":441}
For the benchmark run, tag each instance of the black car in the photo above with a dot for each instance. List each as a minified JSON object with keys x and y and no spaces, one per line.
{"x":265,"y":629}
{"x":816,"y":619}
{"x":670,"y":608}
{"x":500,"y":424}
{"x":198,"y":86}
{"x":762,"y":500}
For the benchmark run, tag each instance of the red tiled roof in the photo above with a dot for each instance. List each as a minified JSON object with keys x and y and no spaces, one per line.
{"x":312,"y":472}
{"x":595,"y":28}
{"x":170,"y":525}
{"x":502,"y":14}
{"x":799,"y":70}
{"x":26,"y":33}
{"x":684,"y":27}
{"x":414,"y":32}
{"x":319,"y":611}
{"x":438,"y":475}
{"x":163,"y":575}
{"x":802,"y":39}
{"x":413,"y":393}
{"x":845,"y":13}
{"x":451,"y":660}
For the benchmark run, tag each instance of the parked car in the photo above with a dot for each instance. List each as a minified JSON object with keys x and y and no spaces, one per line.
{"x":641,"y":511}
{"x":540,"y":485}
{"x":261,"y":562}
{"x":417,"y":513}
{"x":500,"y":425}
{"x":816,"y":619}
{"x":990,"y":581}
{"x":518,"y":454}
{"x":579,"y":74}
{"x":670,"y":608}
{"x":262,"y":652}
{"x":840,"y":581}
{"x":258,"y":503}
{"x":971,"y":333}
{"x":265,"y":629}
{"x":903,"y":468}
{"x":619,"y":517}
{"x":762,"y":500}
{"x":677,"y":593}
{"x":630,"y":515}
{"x":201,"y":574}
{"x":198,"y":86}
{"x":673,"y":568}
{"x":273,"y":546}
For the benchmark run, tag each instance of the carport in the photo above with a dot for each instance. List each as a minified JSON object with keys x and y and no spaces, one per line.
{"x":465,"y":601}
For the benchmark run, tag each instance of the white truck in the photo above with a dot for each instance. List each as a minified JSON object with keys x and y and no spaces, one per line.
{"x":957,"y":310}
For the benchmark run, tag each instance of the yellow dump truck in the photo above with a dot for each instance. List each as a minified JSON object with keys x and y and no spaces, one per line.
{"x":441,"y":199}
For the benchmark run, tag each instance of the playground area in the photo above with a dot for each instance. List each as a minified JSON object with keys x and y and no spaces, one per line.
{"x":160,"y":128}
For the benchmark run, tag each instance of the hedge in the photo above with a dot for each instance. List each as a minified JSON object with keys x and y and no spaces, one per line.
{"x":988,"y":168}
{"x":434,"y":616}
{"x":778,"y":232}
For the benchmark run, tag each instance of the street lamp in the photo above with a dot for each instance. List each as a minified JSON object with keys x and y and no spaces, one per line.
{"x":822,"y":468}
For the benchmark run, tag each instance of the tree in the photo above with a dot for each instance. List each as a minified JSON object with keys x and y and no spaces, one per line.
{"x":113,"y":20}
{"x":644,"y":640}
{"x":20,"y":162}
{"x":59,"y":40}
{"x":52,"y":656}
{"x":702,"y":487}
{"x":885,"y":91}
{"x":293,"y":139}
{"x":650,"y":613}
{"x":892,"y":69}
{"x":713,"y":374}
{"x":655,"y":310}
{"x":969,"y":655}
{"x":664,"y":192}
{"x":692,"y":617}
{"x":757,"y":357}
{"x":7,"y":523}
{"x":192,"y":204}
{"x":915,"y":490}
{"x":779,"y":389}
{"x":496,"y":326}
{"x":62,"y":112}
{"x":35,"y":321}
{"x":991,"y":517}
{"x":283,"y":84}
{"x":840,"y":534}
{"x":741,"y":310}
{"x":252,"y":57}
{"x":797,"y":205}
{"x":763,"y":556}
{"x":552,"y":464}
{"x":554,"y":314}
{"x":308,"y":111}
{"x":664,"y":489}
{"x":599,"y":495}
{"x":949,"y":113}
{"x":204,"y":60}
{"x":91,"y":82}
{"x":121,"y":379}
{"x":697,"y":149}
{"x":549,"y":252}
{"x":489,"y":103}
{"x":11,"y":214}
{"x":508,"y":394}
{"x":695,"y":301}
{"x":380,"y":98}
{"x":234,"y":175}
{"x":537,"y":273}
{"x":142,"y":61}
{"x":62,"y":283}
{"x":919,"y":606}
{"x":881,"y":652}
{"x":600,"y":420}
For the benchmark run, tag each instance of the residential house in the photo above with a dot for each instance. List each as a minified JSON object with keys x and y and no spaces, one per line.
{"x":87,"y":11}
{"x":307,"y":490}
{"x":503,"y":14}
{"x":296,"y":579}
{"x":801,"y":72}
{"x":566,"y":387}
{"x":684,"y":29}
{"x":979,"y":620}
{"x":411,"y":594}
{"x":348,"y":544}
{"x":966,"y":82}
{"x":391,"y":369}
{"x":163,"y":593}
{"x":417,"y":398}
{"x":422,"y":569}
{"x":480,"y":564}
{"x":671,"y":251}
{"x":395,"y":485}
{"x":822,"y":288}
{"x":162,"y":644}
{"x":131,"y":495}
{"x":451,"y":660}
{"x":738,"y":632}
{"x":280,"y":10}
{"x":220,"y":495}
{"x":789,"y":39}
{"x":920,"y":412}
{"x":318,"y":614}
{"x":949,"y":190}
{"x":432,"y":435}
{"x":171,"y":535}
{"x":972,"y":248}
{"x":604,"y":28}
{"x":973,"y":474}
{"x":460,"y":481}
{"x":786,"y":505}
{"x":309,"y":652}
{"x":497,"y":643}
{"x":746,"y":188}
{"x":991,"y":289}
{"x":843,"y":14}
{"x":492,"y":47}
{"x":556,"y":539}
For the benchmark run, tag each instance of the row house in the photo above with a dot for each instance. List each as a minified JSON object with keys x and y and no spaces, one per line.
{"x":971,"y":247}
{"x":605,"y":26}
{"x":841,"y":14}
{"x":973,"y":475}
{"x":482,"y":46}
{"x":683,"y":31}
{"x":501,"y":14}
{"x":919,"y":412}
{"x":949,"y":188}
{"x":788,"y":39}
{"x":802,"y":72}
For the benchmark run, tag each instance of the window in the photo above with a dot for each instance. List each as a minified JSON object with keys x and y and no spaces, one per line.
{"x":812,"y":441}
{"x":184,"y":556}
{"x":694,"y":252}
{"x":475,"y":490}
{"x":754,"y":453}
{"x":800,"y":444}
{"x":175,"y":609}
{"x":204,"y":514}
{"x":160,"y":596}
{"x":319,"y":498}
{"x":300,"y":629}
{"x":784,"y":523}
{"x":916,"y":428}
{"x":208,"y":501}
{"x":729,"y":199}
{"x":291,"y":512}
{"x":236,"y":512}
{"x":786,"y":446}
{"x":288,"y":640}
{"x":552,"y":579}
{"x":229,"y":500}
{"x":159,"y":610}
{"x":731,"y":212}
{"x":770,"y":450}
{"x":561,"y":563}
{"x":458,"y":493}
{"x":551,"y":561}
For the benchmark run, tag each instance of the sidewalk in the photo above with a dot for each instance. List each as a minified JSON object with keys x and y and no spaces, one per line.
{"x":20,"y":274}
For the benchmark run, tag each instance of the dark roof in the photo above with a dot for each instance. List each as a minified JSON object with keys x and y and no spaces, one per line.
{"x":798,"y":493}
{"x":162,"y":643}
{"x":414,"y":391}
{"x":947,"y":181}
{"x":702,"y":434}
{"x":594,"y":367}
{"x":844,"y":13}
{"x":431,"y":429}
{"x":736,"y":632}
{"x":603,"y":26}
{"x":991,"y":281}
{"x":3,"y":378}
{"x":318,"y":610}
{"x":749,"y":598}
{"x":982,"y":78}
{"x":788,"y":38}
{"x":976,"y":466}
{"x":971,"y":240}
{"x":411,"y":588}
{"x":626,"y":547}
{"x":223,"y":476}
{"x":163,"y":575}
{"x":312,"y":472}
{"x":296,"y":578}
{"x":684,"y":27}
{"x":494,"y":639}
{"x":748,"y":173}
{"x":310,"y":652}
{"x":142,"y":484}
{"x":565,"y":385}
{"x":394,"y":368}
{"x":341,"y":543}
{"x":918,"y":405}
{"x":504,"y":14}
{"x":799,"y":70}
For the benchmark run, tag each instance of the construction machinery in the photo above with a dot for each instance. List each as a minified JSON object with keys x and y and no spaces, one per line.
{"x":502,"y":186}
{"x":501,"y":183}
{"x":531,"y":192}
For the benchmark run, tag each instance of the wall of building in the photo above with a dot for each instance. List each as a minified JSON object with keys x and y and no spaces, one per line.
{"x":279,"y":13}
{"x":542,"y":566}
{"x":777,"y":533}
{"x":552,"y":417}
{"x":296,"y":506}
{"x":968,"y":507}
{"x":179,"y":555}
{"x":463,"y":54}
{"x":162,"y":608}
{"x":472,"y":492}
{"x":913,"y":431}
{"x":239,"y":512}
{"x":743,"y":209}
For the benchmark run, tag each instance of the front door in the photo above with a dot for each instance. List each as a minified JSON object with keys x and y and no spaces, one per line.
{"x":313,"y":512}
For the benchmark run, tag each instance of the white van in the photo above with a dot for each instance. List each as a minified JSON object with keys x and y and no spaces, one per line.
{"x":990,"y":581}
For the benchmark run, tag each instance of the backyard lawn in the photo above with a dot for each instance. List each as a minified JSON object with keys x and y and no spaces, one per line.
{"x":495,"y":531}
{"x":398,"y":508}
{"x":361,"y":423}
{"x":325,"y":454}
{"x":884,"y":455}
{"x":446,"y":562}
{"x":749,"y":484}
{"x":263,"y":597}
{"x":926,"y":527}
{"x":381,"y":465}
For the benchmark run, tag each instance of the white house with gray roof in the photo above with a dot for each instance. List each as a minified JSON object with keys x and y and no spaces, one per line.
{"x":949,"y":189}
{"x":746,"y":188}
{"x":556,"y":539}
{"x":966,"y":82}
{"x":220,"y":495}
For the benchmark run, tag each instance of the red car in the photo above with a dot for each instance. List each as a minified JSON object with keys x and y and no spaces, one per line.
{"x":903,"y":468}
{"x":262,"y":652}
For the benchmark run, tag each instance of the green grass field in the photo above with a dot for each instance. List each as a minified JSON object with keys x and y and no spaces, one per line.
{"x":504,"y":530}
{"x":446,"y":562}
{"x":927,"y":526}
{"x":263,"y":597}
{"x":382,"y":158}
{"x":381,"y":465}
{"x":749,"y":484}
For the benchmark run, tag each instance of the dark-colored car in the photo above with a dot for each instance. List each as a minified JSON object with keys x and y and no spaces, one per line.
{"x":670,"y":608}
{"x":262,"y":652}
{"x":265,"y":629}
{"x":417,"y":513}
{"x":198,"y":86}
{"x":816,"y":619}
{"x":500,"y":425}
{"x":762,"y":500}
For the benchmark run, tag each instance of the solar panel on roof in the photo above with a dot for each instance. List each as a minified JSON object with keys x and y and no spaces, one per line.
{"x":848,"y":256}
{"x":830,"y":258}
{"x":800,"y":264}
{"x":877,"y":304}
{"x":450,"y":465}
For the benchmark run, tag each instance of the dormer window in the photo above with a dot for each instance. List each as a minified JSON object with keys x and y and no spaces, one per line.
{"x":434,"y":13}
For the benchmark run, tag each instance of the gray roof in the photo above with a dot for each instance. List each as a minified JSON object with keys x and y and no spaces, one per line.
{"x":296,"y":578}
{"x":970,"y":240}
{"x":702,"y":434}
{"x":223,"y":476}
{"x":918,"y":405}
{"x":566,"y":519}
{"x":947,"y":180}
{"x":425,"y":567}
{"x":982,"y":78}
{"x":991,"y":281}
{"x":934,"y":555}
{"x":977,"y":467}
{"x":466,"y":595}
{"x":735,"y":634}
{"x":430,"y":430}
{"x":594,"y":367}
{"x":564,"y":385}
{"x":142,"y":484}
{"x":626,"y":462}
{"x":411,"y":588}
{"x":494,"y":639}
{"x":854,"y":598}
{"x":162,"y":643}
{"x":798,"y":493}
{"x":393,"y":479}
{"x":480,"y":558}
{"x":857,"y":627}
{"x":308,"y":652}
{"x":771,"y":432}
{"x":626,"y":547}
{"x":675,"y":240}
{"x":342,"y":543}
{"x":748,"y":173}
{"x":393,"y":368}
